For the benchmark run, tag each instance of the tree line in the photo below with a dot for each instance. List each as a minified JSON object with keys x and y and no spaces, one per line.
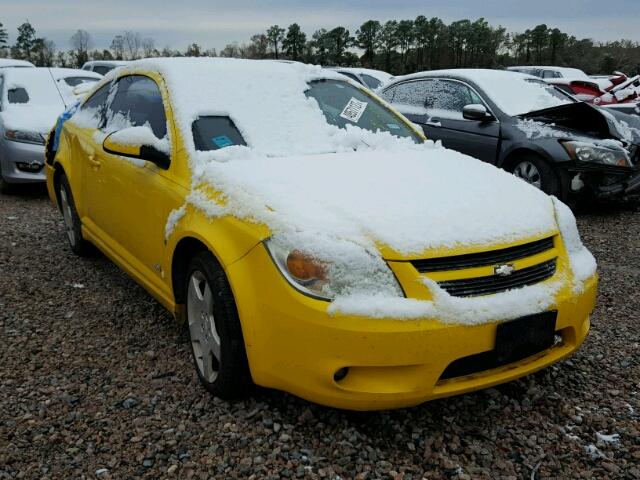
{"x":397,"y":46}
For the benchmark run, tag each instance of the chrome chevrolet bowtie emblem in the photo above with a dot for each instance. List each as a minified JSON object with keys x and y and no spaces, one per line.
{"x":503,"y":270}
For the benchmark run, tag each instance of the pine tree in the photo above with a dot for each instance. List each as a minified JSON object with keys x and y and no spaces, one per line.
{"x":26,"y":40}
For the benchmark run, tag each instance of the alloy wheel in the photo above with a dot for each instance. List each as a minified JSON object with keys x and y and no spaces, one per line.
{"x":528,"y":172}
{"x":67,"y":214}
{"x":205,"y":340}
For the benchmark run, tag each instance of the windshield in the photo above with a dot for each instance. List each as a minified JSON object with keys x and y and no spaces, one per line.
{"x":33,"y":87}
{"x":343,"y":104}
{"x":515,"y":94}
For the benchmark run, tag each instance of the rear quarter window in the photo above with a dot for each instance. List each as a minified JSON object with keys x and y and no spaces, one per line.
{"x":215,"y":132}
{"x":17,"y":95}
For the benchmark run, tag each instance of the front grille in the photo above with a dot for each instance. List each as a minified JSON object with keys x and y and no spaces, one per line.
{"x":482,"y":259}
{"x":494,"y":283}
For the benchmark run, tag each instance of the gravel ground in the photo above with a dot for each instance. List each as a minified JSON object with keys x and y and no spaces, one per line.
{"x":96,"y":381}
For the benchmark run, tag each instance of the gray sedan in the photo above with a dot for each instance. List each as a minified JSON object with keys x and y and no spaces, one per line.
{"x":30,"y":102}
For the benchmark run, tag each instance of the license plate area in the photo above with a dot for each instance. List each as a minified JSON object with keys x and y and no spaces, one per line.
{"x":515,"y":340}
{"x":525,"y":337}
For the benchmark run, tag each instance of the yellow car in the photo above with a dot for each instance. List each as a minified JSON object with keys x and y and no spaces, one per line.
{"x":313,"y":240}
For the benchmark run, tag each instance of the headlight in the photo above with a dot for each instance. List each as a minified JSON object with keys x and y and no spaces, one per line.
{"x":344,"y":269}
{"x":589,"y":152}
{"x":24,"y":136}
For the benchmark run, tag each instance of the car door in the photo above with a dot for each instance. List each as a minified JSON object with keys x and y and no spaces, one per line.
{"x":137,"y":196}
{"x":444,"y":102}
{"x":85,"y":179}
{"x":436,"y":106}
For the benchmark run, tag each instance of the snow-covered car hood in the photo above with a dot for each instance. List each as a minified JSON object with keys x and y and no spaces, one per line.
{"x":402,"y":202}
{"x":31,"y":118}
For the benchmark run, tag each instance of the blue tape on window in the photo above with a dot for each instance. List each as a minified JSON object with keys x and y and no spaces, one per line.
{"x":222,"y":141}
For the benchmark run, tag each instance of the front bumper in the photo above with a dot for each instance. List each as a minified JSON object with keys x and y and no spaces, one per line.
{"x":608,"y":183}
{"x":294,"y":345}
{"x":13,"y":153}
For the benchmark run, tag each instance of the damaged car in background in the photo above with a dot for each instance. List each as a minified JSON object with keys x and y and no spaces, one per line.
{"x":566,"y":148}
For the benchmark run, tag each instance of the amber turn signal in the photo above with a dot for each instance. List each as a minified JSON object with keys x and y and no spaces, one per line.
{"x":304,"y":267}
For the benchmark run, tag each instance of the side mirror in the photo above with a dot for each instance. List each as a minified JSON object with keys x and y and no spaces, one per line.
{"x":475,"y":111}
{"x":137,"y":142}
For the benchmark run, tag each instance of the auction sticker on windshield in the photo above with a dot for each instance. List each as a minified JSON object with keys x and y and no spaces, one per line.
{"x":353,"y":110}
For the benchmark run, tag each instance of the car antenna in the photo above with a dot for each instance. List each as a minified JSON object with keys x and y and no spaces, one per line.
{"x":55,"y":82}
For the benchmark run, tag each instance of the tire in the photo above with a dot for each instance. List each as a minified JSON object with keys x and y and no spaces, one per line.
{"x":215,"y":333}
{"x":6,"y":188}
{"x":72,"y":223}
{"x":537,"y":172}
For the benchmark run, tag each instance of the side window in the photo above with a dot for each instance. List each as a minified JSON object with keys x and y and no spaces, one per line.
{"x":371,"y":81}
{"x":138,"y":100}
{"x":17,"y":95}
{"x":448,"y":95}
{"x":389,"y":93}
{"x":412,"y":93}
{"x":95,"y":106}
{"x":101,"y":69}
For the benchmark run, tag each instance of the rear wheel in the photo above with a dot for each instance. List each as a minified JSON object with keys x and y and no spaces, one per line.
{"x":72,"y":224}
{"x":215,"y":332}
{"x":537,"y":172}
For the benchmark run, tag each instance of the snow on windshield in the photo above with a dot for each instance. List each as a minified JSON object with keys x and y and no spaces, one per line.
{"x":32,"y":87}
{"x":516,"y":94}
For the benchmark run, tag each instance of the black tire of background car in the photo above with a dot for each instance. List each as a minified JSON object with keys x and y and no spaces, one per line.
{"x":550,"y":181}
{"x":234,"y":378}
{"x":80,"y":247}
{"x":5,"y":187}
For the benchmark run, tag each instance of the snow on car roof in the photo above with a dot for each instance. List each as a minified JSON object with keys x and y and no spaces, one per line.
{"x":59,"y":72}
{"x":567,"y":72}
{"x":513,"y":92}
{"x":10,"y":62}
{"x":105,"y":62}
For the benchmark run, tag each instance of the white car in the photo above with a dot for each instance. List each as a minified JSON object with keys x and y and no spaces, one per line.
{"x":10,"y":62}
{"x":103,"y":66}
{"x":372,"y":79}
{"x":30,"y":101}
{"x":565,"y":73}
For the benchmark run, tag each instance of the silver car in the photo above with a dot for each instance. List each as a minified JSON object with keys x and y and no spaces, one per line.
{"x":30,"y":102}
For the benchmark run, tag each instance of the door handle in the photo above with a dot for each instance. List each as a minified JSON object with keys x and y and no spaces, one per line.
{"x":433,"y":123}
{"x":93,"y":161}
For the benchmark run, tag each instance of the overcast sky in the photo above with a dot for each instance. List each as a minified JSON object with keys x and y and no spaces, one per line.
{"x":214,"y":23}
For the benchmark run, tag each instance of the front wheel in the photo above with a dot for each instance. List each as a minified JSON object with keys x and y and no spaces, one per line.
{"x":215,"y":332}
{"x":539,"y":173}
